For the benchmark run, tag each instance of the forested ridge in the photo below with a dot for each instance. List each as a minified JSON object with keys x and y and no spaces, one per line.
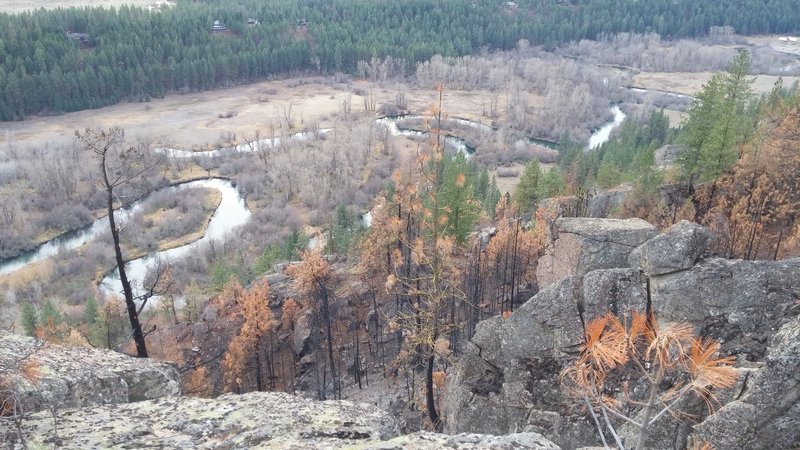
{"x":134,"y":54}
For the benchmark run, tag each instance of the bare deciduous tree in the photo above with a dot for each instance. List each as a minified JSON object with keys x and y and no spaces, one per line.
{"x":123,"y":176}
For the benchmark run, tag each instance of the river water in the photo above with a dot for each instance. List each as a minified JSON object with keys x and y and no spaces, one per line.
{"x":232,"y":211}
{"x":253,"y":146}
{"x":602,"y":135}
{"x":66,"y":241}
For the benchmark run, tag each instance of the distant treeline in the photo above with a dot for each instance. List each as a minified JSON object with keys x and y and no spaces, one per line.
{"x":73,"y":59}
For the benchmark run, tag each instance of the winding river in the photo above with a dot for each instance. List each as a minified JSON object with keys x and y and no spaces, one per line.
{"x":67,"y":241}
{"x":232,"y":211}
{"x":253,"y":146}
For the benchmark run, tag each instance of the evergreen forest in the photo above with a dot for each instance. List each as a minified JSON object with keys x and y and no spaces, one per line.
{"x":55,"y":61}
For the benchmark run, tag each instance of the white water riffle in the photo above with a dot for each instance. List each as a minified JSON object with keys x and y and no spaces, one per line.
{"x":602,"y":135}
{"x":391,"y":124}
{"x":231,"y":213}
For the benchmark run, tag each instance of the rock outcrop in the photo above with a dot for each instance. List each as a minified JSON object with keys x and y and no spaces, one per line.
{"x":508,"y":376}
{"x":102,"y":399}
{"x":230,"y":421}
{"x":741,"y":303}
{"x":580,"y":246}
{"x":667,"y":155}
{"x":78,"y":377}
{"x":767,"y":413}
{"x":253,"y":420}
{"x":604,"y":203}
{"x":677,"y":249}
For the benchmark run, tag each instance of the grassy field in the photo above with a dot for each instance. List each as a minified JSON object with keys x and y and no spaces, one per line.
{"x":690,"y":83}
{"x":198,"y":120}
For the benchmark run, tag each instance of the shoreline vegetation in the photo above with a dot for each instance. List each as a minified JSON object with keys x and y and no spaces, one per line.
{"x":212,"y":200}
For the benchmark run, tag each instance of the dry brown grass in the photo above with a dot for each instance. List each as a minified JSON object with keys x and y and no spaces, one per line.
{"x":193,"y":120}
{"x":692,"y":83}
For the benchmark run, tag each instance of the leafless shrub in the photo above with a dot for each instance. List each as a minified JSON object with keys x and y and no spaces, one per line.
{"x":507,"y":173}
{"x":227,"y":115}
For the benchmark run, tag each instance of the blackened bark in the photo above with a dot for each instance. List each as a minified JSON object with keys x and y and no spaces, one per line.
{"x":130,"y":304}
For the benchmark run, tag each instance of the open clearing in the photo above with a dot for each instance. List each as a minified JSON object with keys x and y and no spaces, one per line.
{"x":18,"y":6}
{"x":690,"y":83}
{"x":773,"y":41}
{"x":203,"y":119}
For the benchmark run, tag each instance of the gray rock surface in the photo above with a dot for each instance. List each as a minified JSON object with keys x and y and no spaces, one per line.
{"x":677,"y":249}
{"x":667,"y":155}
{"x":508,"y":378}
{"x":619,"y":291}
{"x":274,"y":420}
{"x":253,"y":420}
{"x":742,"y":303}
{"x":475,"y":392}
{"x":547,"y":323}
{"x":73,"y":377}
{"x":604,"y":203}
{"x":581,"y":245}
{"x":432,"y":441}
{"x":301,"y":339}
{"x":767,"y":413}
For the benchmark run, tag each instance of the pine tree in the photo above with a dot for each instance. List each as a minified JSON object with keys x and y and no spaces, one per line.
{"x":526,"y":195}
{"x":409,"y":242}
{"x":552,"y":184}
{"x":244,"y":350}
{"x":50,"y":313}
{"x":457,"y":200}
{"x":718,"y":120}
{"x":29,"y":319}
{"x":90,"y":312}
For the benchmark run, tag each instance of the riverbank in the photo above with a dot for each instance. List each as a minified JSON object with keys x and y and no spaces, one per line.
{"x":43,"y":269}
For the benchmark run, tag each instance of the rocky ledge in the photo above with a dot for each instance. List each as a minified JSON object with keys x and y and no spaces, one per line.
{"x":89,"y":398}
{"x":253,"y":420}
{"x":72,"y":377}
{"x":507,"y":378}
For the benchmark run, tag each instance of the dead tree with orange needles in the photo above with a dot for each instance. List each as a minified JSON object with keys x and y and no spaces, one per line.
{"x":244,"y":348}
{"x":669,"y":361}
{"x":419,"y":253}
{"x":313,"y":278}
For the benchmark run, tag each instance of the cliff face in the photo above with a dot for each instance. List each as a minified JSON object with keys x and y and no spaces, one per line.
{"x":508,"y":378}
